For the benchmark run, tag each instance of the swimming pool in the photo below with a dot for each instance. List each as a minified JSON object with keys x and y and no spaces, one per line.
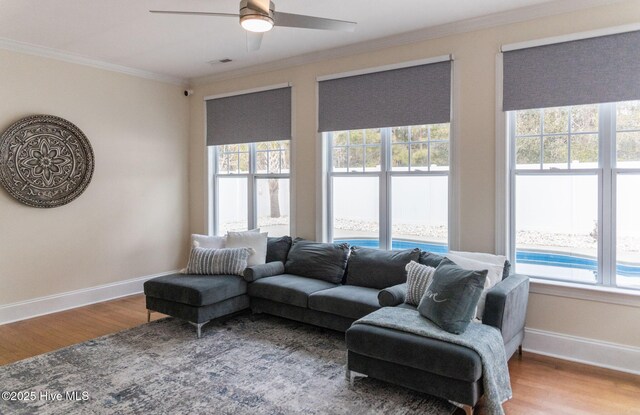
{"x":544,"y":258}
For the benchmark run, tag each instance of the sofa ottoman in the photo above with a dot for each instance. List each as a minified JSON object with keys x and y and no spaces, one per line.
{"x":196,"y":298}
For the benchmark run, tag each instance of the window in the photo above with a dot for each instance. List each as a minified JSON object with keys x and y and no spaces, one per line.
{"x":626,"y":178}
{"x":251,"y":187}
{"x":575,"y":181}
{"x":388,"y":187}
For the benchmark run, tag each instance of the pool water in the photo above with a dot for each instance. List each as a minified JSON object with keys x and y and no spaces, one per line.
{"x":543,"y":258}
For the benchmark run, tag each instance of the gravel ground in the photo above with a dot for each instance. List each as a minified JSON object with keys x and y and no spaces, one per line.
{"x":439,"y":233}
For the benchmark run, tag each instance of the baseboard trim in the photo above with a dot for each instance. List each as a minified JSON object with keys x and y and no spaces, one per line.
{"x":23,"y":310}
{"x":592,"y":352}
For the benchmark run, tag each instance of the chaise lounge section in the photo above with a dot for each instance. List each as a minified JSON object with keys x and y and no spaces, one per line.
{"x":435,"y":367}
{"x":197,"y":299}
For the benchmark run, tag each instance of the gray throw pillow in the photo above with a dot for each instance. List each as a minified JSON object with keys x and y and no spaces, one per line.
{"x":419,"y":277}
{"x":507,"y":269}
{"x":321,"y":261}
{"x":375,"y":268}
{"x":278,"y":249}
{"x":451,"y":299}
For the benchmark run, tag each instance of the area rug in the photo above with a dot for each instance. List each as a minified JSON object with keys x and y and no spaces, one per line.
{"x":245,"y":365}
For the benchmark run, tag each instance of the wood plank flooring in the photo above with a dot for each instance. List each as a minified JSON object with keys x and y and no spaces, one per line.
{"x":541,"y":385}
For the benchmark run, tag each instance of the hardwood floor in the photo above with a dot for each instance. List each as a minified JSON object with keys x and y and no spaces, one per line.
{"x":541,"y":385}
{"x":39,"y":335}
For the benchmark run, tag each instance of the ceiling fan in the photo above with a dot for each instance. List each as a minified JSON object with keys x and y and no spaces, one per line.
{"x":260,"y":16}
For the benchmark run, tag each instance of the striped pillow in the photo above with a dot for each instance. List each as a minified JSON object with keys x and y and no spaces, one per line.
{"x":419,"y":278}
{"x":227,"y":261}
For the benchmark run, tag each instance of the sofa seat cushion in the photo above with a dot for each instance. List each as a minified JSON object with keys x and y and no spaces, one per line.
{"x":407,"y":306}
{"x":346,"y":300}
{"x":195,"y":290}
{"x":288,"y":289}
{"x":408,"y":349}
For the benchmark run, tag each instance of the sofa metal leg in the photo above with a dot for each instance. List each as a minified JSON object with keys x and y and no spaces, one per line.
{"x":351,"y":378}
{"x":148,"y":315}
{"x":199,"y":327}
{"x":347,"y":372}
{"x":468,"y":410}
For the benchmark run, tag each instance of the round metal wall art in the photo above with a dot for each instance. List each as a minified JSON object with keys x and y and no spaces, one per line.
{"x":45,"y":161}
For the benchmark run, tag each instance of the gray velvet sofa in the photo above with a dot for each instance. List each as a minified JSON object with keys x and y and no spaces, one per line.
{"x":331,"y":286}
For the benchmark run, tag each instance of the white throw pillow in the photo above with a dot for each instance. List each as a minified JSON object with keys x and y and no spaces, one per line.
{"x":208,"y":242}
{"x":419,"y":278}
{"x":494,"y":274}
{"x":483,"y":257}
{"x":250,"y":239}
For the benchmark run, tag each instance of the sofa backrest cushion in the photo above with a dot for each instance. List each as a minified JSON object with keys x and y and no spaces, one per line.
{"x":430,"y":259}
{"x":278,"y":248}
{"x":507,"y":269}
{"x":322,"y":261}
{"x":375,"y":268}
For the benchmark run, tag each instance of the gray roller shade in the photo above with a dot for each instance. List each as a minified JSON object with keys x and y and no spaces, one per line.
{"x":249,"y":118}
{"x":408,"y":96}
{"x":588,"y":71}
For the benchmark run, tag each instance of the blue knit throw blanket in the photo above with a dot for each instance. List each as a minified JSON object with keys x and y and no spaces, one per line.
{"x":485,"y":340}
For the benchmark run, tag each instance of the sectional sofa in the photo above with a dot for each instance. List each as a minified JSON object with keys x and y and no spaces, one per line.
{"x":332,"y":285}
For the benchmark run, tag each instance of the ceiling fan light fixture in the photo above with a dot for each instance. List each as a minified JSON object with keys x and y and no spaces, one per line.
{"x":256,"y":23}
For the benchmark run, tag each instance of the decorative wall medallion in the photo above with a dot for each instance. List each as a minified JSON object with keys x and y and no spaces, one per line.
{"x":45,"y":161}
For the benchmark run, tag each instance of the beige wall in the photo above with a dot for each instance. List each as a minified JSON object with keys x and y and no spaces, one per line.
{"x":475,"y":55}
{"x":132,"y":220}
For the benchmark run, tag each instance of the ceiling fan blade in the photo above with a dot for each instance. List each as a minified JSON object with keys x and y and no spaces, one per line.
{"x":254,"y":40}
{"x":310,"y":22}
{"x":194,"y":13}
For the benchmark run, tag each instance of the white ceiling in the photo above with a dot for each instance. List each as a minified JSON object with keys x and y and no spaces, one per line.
{"x":123,"y":32}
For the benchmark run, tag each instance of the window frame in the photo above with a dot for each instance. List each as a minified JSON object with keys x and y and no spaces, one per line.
{"x":607,"y":173}
{"x":385,"y":176}
{"x":252,"y":177}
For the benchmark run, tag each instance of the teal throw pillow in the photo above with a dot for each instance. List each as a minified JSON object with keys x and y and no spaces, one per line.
{"x":451,"y":299}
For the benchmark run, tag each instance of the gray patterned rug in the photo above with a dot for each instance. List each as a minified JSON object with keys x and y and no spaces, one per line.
{"x":246,"y":365}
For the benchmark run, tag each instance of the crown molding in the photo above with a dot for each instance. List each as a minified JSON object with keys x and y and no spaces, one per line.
{"x":464,"y":26}
{"x":45,"y":52}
